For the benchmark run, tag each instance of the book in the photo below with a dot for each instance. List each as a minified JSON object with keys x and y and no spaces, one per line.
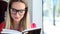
{"x":7,"y":31}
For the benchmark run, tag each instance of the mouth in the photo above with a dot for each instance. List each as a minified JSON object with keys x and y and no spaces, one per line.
{"x":17,"y":17}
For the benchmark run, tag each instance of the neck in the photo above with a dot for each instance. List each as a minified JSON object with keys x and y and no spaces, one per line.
{"x":15,"y":25}
{"x":15,"y":22}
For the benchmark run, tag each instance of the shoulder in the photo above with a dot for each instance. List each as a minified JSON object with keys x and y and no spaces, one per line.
{"x":2,"y":25}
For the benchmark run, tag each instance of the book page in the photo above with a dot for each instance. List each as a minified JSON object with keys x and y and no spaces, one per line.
{"x":10,"y":31}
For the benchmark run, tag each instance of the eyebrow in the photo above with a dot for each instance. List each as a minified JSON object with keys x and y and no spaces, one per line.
{"x":18,"y":10}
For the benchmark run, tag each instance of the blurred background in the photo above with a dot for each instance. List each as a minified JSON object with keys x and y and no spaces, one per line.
{"x":51,"y":16}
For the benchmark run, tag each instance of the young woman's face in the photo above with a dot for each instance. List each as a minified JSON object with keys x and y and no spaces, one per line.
{"x":17,"y":10}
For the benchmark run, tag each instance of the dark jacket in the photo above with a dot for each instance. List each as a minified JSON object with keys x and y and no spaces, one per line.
{"x":3,"y":8}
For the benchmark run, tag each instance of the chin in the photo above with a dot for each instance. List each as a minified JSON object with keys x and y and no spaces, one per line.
{"x":17,"y":19}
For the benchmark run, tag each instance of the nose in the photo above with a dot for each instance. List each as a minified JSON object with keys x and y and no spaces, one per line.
{"x":17,"y":14}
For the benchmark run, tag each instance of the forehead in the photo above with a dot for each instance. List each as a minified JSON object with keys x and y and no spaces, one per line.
{"x":18,"y":5}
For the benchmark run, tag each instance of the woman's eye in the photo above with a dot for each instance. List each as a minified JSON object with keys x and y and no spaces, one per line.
{"x":21,"y":11}
{"x":14,"y":10}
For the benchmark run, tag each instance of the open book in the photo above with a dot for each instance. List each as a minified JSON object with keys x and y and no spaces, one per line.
{"x":7,"y":31}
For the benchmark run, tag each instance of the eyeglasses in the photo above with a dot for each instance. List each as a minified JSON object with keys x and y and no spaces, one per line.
{"x":14,"y":11}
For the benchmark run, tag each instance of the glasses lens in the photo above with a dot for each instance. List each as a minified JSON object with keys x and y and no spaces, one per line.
{"x":14,"y":11}
{"x":21,"y":11}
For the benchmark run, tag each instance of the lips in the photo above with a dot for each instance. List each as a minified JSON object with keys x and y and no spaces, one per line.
{"x":17,"y":17}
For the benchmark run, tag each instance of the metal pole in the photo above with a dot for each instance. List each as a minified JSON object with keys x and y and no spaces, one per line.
{"x":54,"y":15}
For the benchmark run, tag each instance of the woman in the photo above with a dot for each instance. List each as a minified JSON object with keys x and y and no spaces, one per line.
{"x":16,"y":15}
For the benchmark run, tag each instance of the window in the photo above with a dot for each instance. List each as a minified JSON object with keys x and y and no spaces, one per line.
{"x":51,"y":16}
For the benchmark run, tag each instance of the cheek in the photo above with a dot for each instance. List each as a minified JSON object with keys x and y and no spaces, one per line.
{"x":22,"y":15}
{"x":12,"y":16}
